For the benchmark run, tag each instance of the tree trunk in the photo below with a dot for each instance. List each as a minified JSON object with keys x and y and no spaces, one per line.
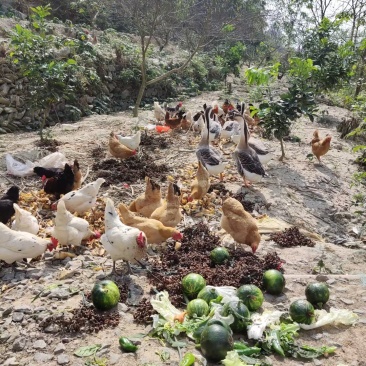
{"x":282,"y":150}
{"x":143,"y":78}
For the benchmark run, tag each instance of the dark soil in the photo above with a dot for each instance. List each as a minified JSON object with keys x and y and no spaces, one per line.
{"x":49,"y":144}
{"x":155,"y":141}
{"x":291,"y":238}
{"x":130,"y":170}
{"x":194,"y":256}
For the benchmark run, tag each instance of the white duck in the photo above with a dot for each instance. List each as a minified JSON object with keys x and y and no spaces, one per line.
{"x":210,"y":158}
{"x":69,"y":229}
{"x":16,"y":245}
{"x":246,"y":159}
{"x":24,"y":221}
{"x":122,"y":241}
{"x":132,"y":142}
{"x":83,"y":199}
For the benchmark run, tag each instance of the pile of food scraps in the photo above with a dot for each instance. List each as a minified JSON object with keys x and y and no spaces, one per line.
{"x":291,"y":237}
{"x":130,"y":170}
{"x":153,"y":141}
{"x":172,"y":265}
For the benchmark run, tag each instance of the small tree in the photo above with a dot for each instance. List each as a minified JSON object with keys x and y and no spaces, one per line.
{"x":49,"y":80}
{"x":192,"y":24}
{"x":278,"y":115}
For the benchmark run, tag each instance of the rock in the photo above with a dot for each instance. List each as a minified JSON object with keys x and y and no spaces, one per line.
{"x":322,"y":278}
{"x":347,"y":301}
{"x":60,"y":293}
{"x":17,"y":317}
{"x":26,"y":309}
{"x":122,"y":307}
{"x":4,"y":336}
{"x":63,"y":359}
{"x":60,"y":348}
{"x":18,"y":344}
{"x":11,"y":362}
{"x":317,"y":362}
{"x":39,"y":344}
{"x":52,"y":328}
{"x":114,"y":358}
{"x":4,"y":101}
{"x":43,"y":357}
{"x":7,"y":312}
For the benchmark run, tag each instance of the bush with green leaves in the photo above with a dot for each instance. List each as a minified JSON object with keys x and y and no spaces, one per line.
{"x":333,"y":58}
{"x":277,"y":115}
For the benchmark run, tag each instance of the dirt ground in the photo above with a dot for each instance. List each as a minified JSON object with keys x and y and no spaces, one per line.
{"x":314,"y":197}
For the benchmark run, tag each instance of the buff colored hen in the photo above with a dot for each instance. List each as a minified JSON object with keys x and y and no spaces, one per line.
{"x":240,"y":224}
{"x":119,"y":150}
{"x":154,"y":230}
{"x":149,"y":201}
{"x":169,"y":213}
{"x":200,"y":184}
{"x":320,"y":147}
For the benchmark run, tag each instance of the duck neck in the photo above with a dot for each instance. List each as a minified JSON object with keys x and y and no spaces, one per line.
{"x":244,"y":135}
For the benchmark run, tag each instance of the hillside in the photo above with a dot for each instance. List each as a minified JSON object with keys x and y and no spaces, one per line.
{"x":297,"y":191}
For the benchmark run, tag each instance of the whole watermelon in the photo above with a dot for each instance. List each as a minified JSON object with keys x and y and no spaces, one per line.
{"x":273,"y":282}
{"x":251,"y":296}
{"x":301,"y":311}
{"x":192,"y":284}
{"x":317,"y":294}
{"x":105,"y":295}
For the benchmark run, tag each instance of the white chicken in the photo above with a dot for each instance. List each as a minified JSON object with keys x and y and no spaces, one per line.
{"x":24,"y":221}
{"x":159,"y":112}
{"x":132,"y":142}
{"x":69,"y":229}
{"x":16,"y":245}
{"x":122,"y":241}
{"x":83,"y":199}
{"x":198,"y":122}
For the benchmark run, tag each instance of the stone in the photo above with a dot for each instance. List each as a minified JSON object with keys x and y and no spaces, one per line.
{"x":317,"y":362}
{"x":39,"y":344}
{"x":114,"y":358}
{"x":18,"y":344}
{"x":60,"y":293}
{"x":347,"y":301}
{"x":11,"y":362}
{"x":26,"y":309}
{"x":7,"y":312}
{"x":42,"y":357}
{"x":60,"y":348}
{"x":17,"y":317}
{"x":122,"y":307}
{"x":63,"y":359}
{"x":322,"y":278}
{"x":4,"y":336}
{"x":52,"y":328}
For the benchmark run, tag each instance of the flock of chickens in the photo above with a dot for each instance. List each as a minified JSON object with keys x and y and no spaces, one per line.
{"x":149,"y":218}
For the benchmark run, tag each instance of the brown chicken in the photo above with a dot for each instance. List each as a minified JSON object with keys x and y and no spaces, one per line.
{"x":175,"y":121}
{"x":201,"y":184}
{"x":320,"y":147}
{"x":227,"y":106}
{"x":169,"y":213}
{"x":240,"y":224}
{"x":77,"y":175}
{"x":149,"y":201}
{"x":154,"y":230}
{"x":117,"y":149}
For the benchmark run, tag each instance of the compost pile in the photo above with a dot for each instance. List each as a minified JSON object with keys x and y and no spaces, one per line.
{"x":85,"y":318}
{"x":292,"y":238}
{"x":194,"y":256}
{"x":130,"y":170}
{"x":152,"y":142}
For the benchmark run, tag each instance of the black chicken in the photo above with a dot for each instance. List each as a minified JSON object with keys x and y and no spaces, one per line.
{"x":61,"y":183}
{"x":46,"y":172}
{"x":6,"y":204}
